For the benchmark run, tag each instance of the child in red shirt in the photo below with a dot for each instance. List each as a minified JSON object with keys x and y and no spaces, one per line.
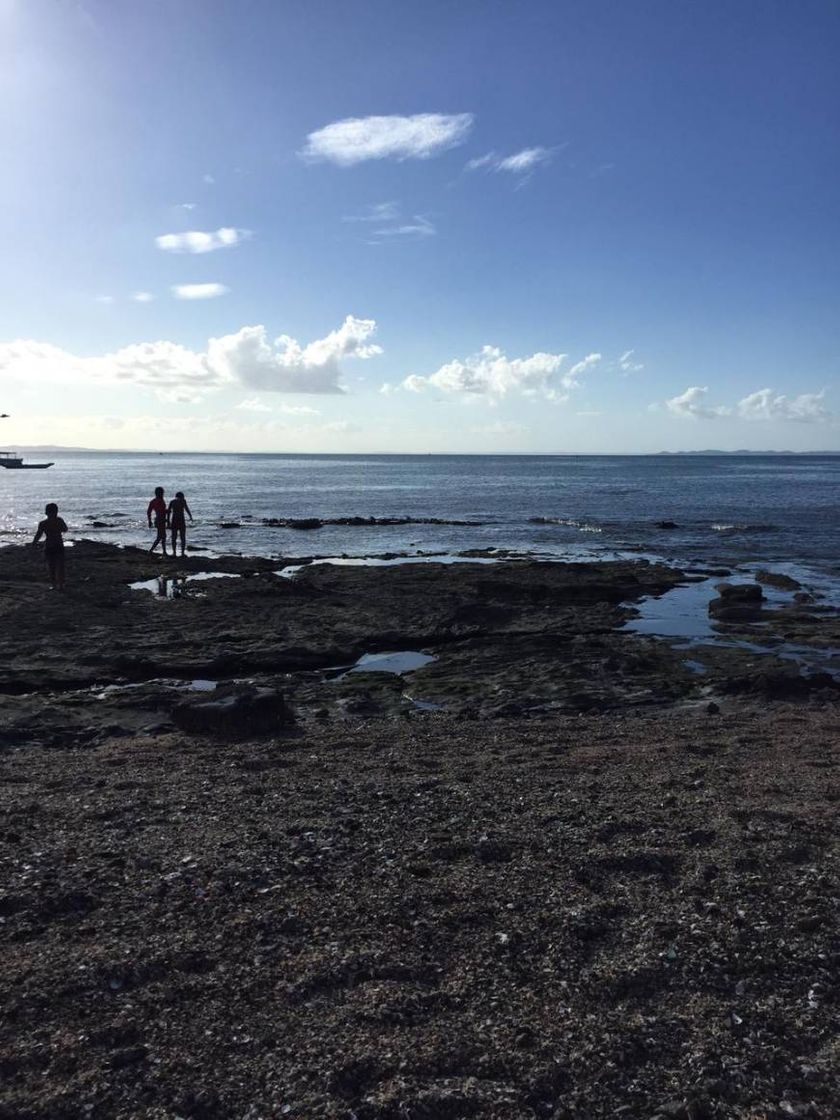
{"x":157,"y":509}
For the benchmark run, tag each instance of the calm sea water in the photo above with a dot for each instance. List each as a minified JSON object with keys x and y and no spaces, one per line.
{"x":781,"y":510}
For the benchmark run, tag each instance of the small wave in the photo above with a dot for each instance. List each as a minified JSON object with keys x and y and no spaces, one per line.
{"x":742,"y":527}
{"x":571,"y":522}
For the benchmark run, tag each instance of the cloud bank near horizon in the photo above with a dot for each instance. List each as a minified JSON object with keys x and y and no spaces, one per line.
{"x":247,"y":359}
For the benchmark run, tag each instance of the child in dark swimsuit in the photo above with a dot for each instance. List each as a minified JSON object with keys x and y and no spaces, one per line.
{"x":177,"y":522}
{"x":157,"y":509}
{"x":51,"y":529}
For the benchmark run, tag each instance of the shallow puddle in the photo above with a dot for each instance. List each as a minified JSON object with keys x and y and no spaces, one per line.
{"x":172,"y":587}
{"x":683,"y":613}
{"x":397,"y":662}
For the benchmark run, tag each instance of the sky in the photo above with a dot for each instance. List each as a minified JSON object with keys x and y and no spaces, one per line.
{"x":377,"y":226}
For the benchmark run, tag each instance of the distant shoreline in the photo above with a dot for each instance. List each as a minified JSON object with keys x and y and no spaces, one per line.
{"x":56,"y":449}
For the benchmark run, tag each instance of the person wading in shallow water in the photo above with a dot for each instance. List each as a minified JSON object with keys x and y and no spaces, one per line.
{"x":51,"y":529}
{"x":157,"y":510}
{"x":177,"y":522}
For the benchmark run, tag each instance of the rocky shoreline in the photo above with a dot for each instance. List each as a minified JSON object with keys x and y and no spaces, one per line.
{"x":551,"y":871}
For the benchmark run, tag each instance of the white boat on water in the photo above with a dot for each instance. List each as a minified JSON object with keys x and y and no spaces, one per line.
{"x":13,"y":462}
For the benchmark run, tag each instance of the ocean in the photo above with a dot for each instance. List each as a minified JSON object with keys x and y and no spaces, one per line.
{"x":728,"y":510}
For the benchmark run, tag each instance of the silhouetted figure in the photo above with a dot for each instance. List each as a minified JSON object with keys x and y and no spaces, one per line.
{"x":177,"y":522}
{"x":157,"y":510}
{"x":51,"y":529}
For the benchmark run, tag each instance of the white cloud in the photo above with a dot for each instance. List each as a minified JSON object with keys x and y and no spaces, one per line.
{"x":253,"y":404}
{"x":628,"y":364}
{"x":340,"y":427}
{"x":520,"y":163}
{"x":187,"y":205}
{"x":356,"y":139}
{"x":766,"y":405}
{"x":387,"y":389}
{"x":524,"y":161}
{"x":692,"y":405}
{"x":142,"y":297}
{"x":579,"y":368}
{"x":201,"y":241}
{"x":247,"y":359}
{"x":198,"y":291}
{"x":208,"y":179}
{"x":492,"y":374}
{"x":285,"y":365}
{"x":104,"y":299}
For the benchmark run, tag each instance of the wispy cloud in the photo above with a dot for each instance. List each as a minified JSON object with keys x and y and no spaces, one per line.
{"x":247,"y":360}
{"x":187,"y":205}
{"x":520,"y":164}
{"x":376,"y":212}
{"x":143,"y":297}
{"x":104,"y":299}
{"x":390,"y":223}
{"x":416,"y":227}
{"x":208,"y":179}
{"x":356,"y":139}
{"x":490,"y":373}
{"x":201,"y":241}
{"x":198,"y":291}
{"x":628,"y":364}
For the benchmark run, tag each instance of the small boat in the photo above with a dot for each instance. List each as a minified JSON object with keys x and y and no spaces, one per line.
{"x":13,"y":462}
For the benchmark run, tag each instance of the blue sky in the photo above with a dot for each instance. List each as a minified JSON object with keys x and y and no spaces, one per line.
{"x":483,"y":226}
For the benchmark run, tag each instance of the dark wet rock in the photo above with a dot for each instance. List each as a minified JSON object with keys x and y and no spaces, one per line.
{"x":737,"y":602}
{"x":781,"y":685}
{"x":240,"y":713}
{"x":778,"y":580}
{"x":667,"y":525}
{"x":740,"y":592}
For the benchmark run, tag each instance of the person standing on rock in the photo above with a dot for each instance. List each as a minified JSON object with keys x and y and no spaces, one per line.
{"x":157,"y":509}
{"x":51,"y":529}
{"x":177,"y":522}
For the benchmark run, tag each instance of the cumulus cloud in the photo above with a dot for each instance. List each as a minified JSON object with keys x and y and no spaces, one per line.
{"x":356,"y":139}
{"x":692,"y":405}
{"x":520,"y":163}
{"x":202,"y":241}
{"x":492,"y":374}
{"x":198,"y":291}
{"x":765,"y":404}
{"x":248,"y":359}
{"x":142,"y":297}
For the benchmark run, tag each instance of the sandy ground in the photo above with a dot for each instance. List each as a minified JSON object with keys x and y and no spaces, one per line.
{"x":612,"y":915}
